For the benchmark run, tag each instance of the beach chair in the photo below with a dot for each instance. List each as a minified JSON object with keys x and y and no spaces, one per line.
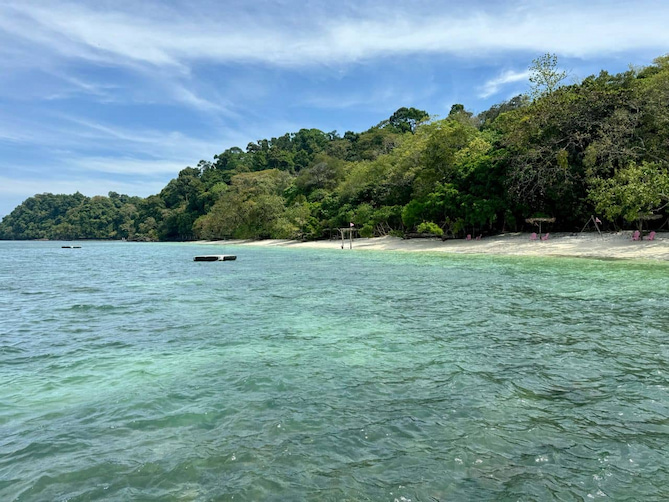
{"x":533,"y":236}
{"x":545,"y":237}
{"x":469,"y":237}
{"x":651,"y":236}
{"x":478,"y":237}
{"x":636,"y":236}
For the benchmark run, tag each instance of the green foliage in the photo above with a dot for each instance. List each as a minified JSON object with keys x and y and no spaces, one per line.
{"x":599,"y":145}
{"x":252,"y":207}
{"x":428,"y":227}
{"x":545,"y":76}
{"x":412,"y":213}
{"x":367,"y":231}
{"x":488,"y":117}
{"x":407,"y":119}
{"x":633,"y":192}
{"x":553,"y":146}
{"x":324,"y":173}
{"x":49,"y":216}
{"x":41,"y":217}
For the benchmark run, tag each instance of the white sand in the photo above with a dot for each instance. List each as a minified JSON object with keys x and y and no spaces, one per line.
{"x":587,"y":245}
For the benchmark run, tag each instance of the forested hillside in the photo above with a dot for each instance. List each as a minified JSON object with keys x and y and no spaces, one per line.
{"x":600,"y":147}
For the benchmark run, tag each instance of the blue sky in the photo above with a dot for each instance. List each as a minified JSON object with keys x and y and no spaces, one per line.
{"x":120,"y":95}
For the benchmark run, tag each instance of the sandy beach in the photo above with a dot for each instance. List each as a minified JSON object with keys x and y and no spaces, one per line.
{"x":587,"y":245}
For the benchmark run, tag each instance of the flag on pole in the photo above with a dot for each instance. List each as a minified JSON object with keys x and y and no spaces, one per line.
{"x":597,"y":220}
{"x":352,"y":224}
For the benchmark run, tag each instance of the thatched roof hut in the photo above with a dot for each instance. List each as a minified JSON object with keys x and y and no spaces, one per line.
{"x":539,"y":221}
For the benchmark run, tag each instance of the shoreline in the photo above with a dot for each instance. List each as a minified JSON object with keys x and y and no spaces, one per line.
{"x":587,"y":245}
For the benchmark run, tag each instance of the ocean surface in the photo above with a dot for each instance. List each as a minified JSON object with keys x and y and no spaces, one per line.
{"x":130,"y":372}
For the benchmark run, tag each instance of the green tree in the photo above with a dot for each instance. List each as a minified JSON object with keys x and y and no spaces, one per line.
{"x":407,"y":119}
{"x":545,"y":75}
{"x":634,"y":192}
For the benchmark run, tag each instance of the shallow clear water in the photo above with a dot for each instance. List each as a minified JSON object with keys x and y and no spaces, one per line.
{"x":127,"y":371}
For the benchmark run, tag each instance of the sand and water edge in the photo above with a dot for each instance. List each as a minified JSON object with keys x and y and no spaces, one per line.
{"x":583,"y":245}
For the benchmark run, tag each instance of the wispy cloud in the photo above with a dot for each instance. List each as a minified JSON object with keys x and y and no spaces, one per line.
{"x":126,"y":165}
{"x":233,"y":35}
{"x":93,"y":157}
{"x":191,"y":99}
{"x":73,"y":86}
{"x":76,"y":133}
{"x":495,"y":85}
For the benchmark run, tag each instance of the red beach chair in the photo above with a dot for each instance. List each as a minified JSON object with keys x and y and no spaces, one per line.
{"x":636,"y":236}
{"x":533,"y":236}
{"x":651,"y":236}
{"x":545,"y":237}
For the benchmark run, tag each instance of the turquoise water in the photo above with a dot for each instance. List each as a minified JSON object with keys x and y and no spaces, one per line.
{"x":127,"y":371}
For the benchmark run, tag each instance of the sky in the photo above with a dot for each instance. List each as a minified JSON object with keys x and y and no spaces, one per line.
{"x":116,"y":95}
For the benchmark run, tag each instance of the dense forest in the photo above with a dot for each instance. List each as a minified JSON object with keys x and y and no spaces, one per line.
{"x":600,"y":147}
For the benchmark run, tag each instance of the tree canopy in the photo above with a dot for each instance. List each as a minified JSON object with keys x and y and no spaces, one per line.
{"x":600,"y":146}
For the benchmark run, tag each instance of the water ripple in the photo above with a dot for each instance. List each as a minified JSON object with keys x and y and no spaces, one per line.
{"x":278,"y":377}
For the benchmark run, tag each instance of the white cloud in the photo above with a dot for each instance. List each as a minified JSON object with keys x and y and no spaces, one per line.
{"x":494,"y":85}
{"x":178,"y":39}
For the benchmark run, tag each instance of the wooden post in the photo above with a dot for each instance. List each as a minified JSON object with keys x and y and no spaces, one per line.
{"x":594,"y":222}
{"x":343,"y":232}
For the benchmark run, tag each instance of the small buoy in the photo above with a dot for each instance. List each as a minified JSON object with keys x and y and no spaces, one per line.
{"x":215,"y":257}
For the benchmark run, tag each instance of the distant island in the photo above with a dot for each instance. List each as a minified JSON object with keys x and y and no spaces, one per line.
{"x":598,"y":147}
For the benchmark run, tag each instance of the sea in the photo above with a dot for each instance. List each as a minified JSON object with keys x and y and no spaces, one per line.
{"x":130,"y":372}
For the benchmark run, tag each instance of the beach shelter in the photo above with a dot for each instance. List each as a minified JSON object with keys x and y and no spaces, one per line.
{"x":647,"y":217}
{"x":539,"y":221}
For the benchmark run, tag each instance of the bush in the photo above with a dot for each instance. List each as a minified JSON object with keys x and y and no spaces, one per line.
{"x":367,"y":231}
{"x":427,"y":227}
{"x":412,"y":213}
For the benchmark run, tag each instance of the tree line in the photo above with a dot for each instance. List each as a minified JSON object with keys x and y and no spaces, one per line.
{"x":600,"y":146}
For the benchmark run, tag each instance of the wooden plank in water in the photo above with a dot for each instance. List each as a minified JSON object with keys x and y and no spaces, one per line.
{"x":215,"y":257}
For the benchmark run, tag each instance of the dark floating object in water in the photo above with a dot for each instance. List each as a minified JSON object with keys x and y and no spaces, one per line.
{"x":215,"y":257}
{"x":71,"y":247}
